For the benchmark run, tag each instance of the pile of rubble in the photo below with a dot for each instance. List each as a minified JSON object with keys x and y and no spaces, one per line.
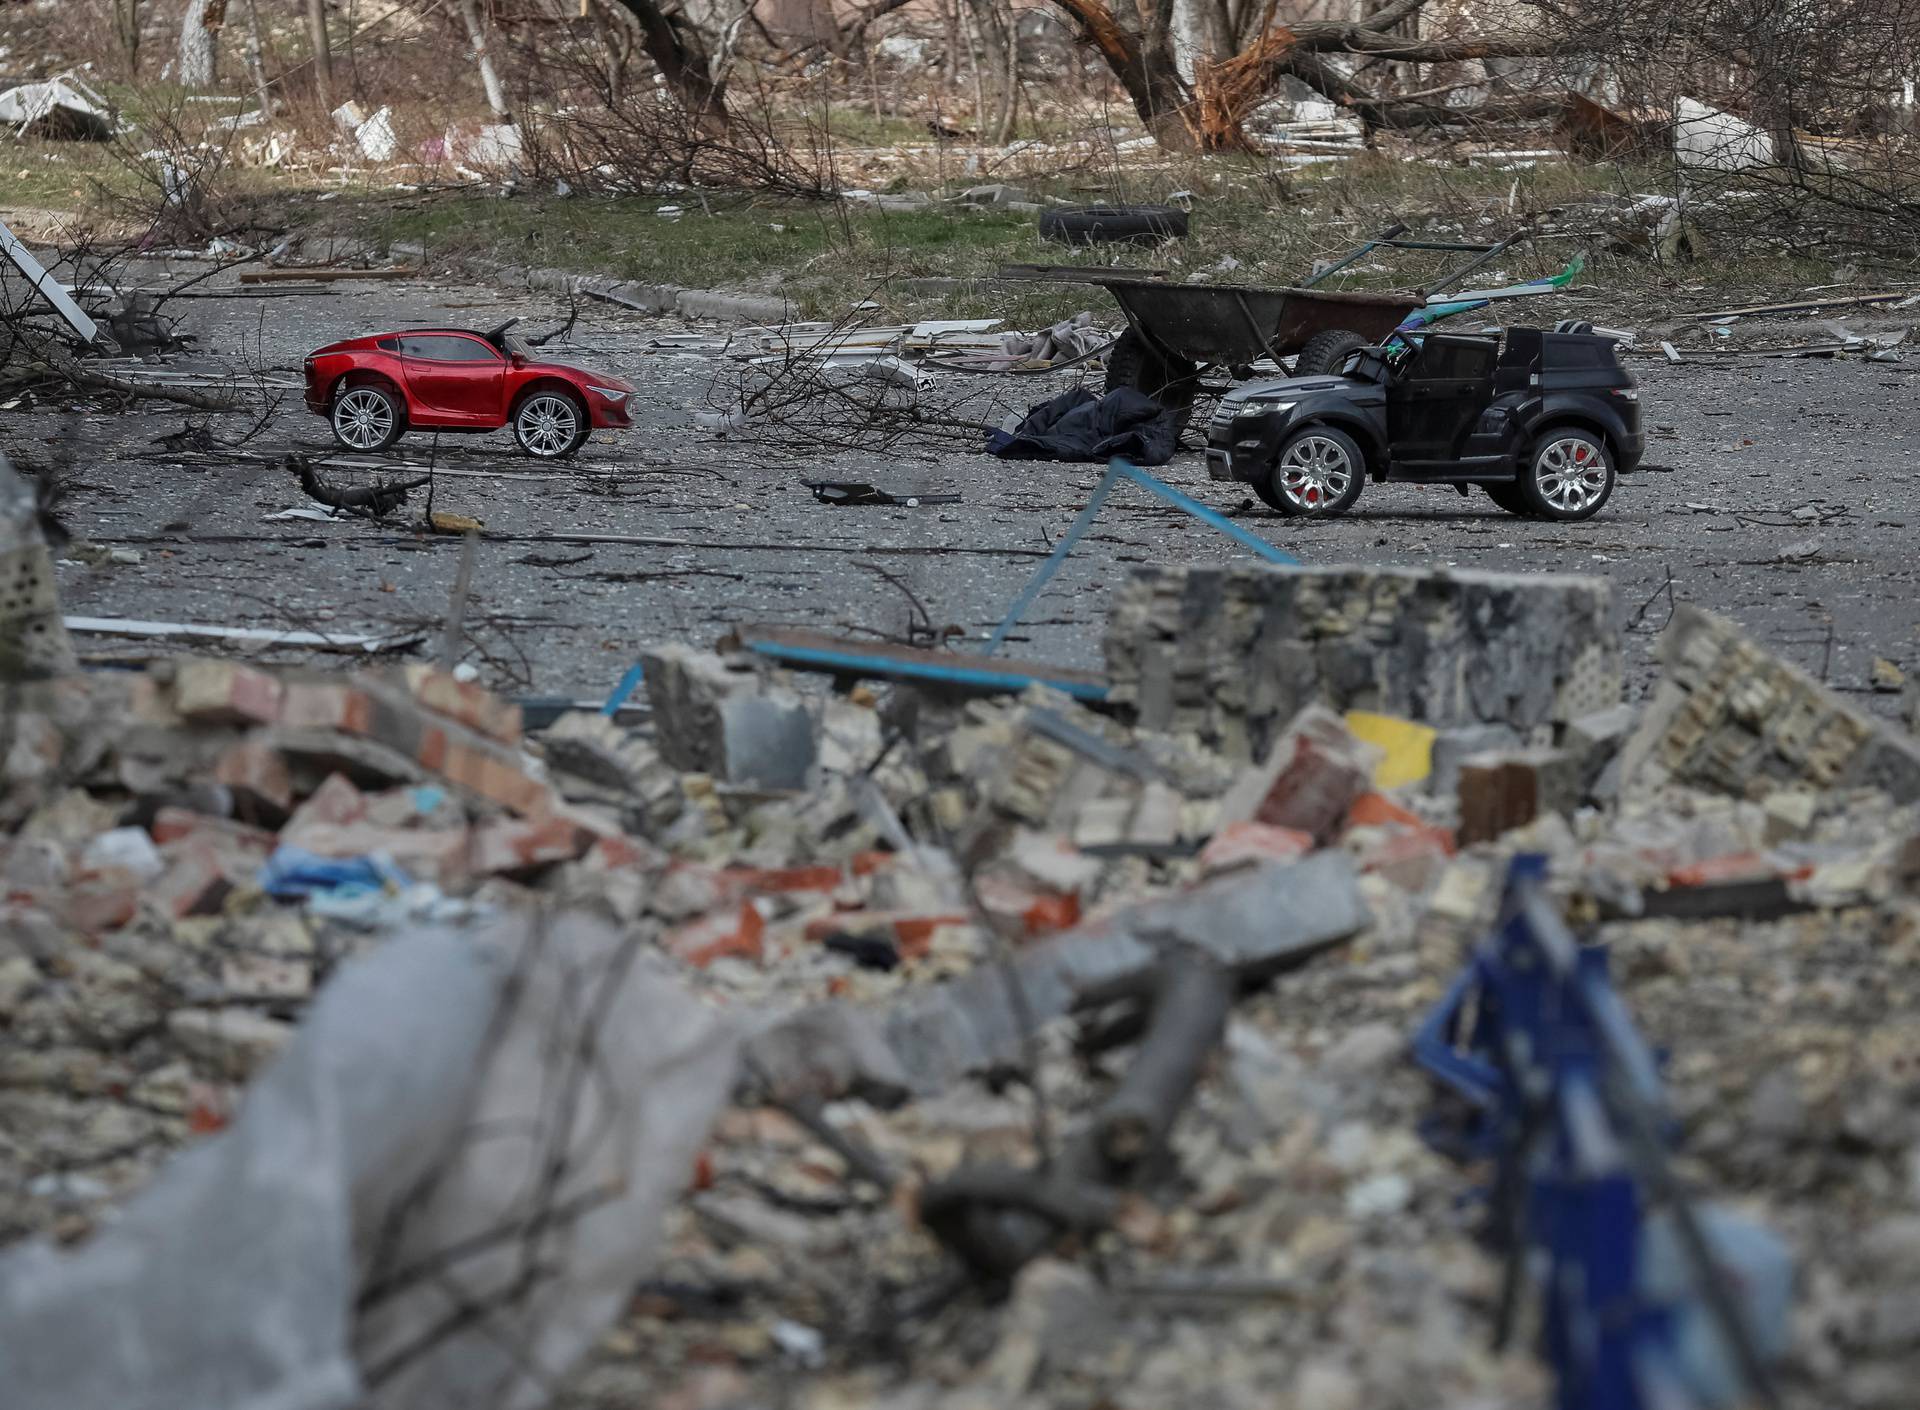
{"x":1053,"y":1056}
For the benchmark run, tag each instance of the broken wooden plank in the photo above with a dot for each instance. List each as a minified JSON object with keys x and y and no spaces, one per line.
{"x":1805,"y":306}
{"x":324,"y":276}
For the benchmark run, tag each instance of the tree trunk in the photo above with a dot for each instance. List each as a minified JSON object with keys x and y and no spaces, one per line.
{"x":1142,"y":59}
{"x":679,"y":51}
{"x":126,"y":32}
{"x":997,"y":59}
{"x":489,"y":77}
{"x":200,"y":42}
{"x":256,"y":61}
{"x":322,"y":51}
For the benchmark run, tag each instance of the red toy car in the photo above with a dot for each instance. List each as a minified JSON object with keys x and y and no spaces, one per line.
{"x":373,"y":390}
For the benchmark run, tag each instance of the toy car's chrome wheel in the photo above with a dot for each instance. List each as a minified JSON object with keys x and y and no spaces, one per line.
{"x":1319,"y":471}
{"x":549,"y":425}
{"x":1571,"y":475}
{"x":365,"y":418}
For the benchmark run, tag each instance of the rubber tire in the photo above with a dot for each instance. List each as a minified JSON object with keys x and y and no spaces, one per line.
{"x":1134,"y":362}
{"x":1356,"y":458}
{"x":581,"y":432}
{"x":1326,"y":352}
{"x":1509,"y":498}
{"x":1529,"y":482}
{"x":396,"y":406}
{"x":1112,"y":225}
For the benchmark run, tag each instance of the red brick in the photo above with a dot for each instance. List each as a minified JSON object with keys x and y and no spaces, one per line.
{"x":778,"y":881}
{"x":1239,"y":843}
{"x":1050,"y":913}
{"x":619,"y":853}
{"x":178,"y":824}
{"x":224,"y":692}
{"x":334,"y":803}
{"x":736,"y":933}
{"x":508,"y":845}
{"x":1316,"y":770}
{"x":324,"y":705}
{"x":1734,"y":866}
{"x":1504,"y":789}
{"x":867,"y":863}
{"x":198,"y":878}
{"x":911,"y":931}
{"x":1034,"y":910}
{"x":1378,"y":810}
{"x":473,"y":706}
{"x":486,"y":770}
{"x":258,"y":777}
{"x":99,"y":901}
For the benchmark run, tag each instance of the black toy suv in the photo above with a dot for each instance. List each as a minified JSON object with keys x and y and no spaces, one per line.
{"x":1541,"y":421}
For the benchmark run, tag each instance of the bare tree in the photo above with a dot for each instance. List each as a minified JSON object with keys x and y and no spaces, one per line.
{"x":200,"y":29}
{"x":483,"y":56}
{"x":322,"y":51}
{"x":999,"y":55}
{"x":1135,"y":39}
{"x":126,"y":33}
{"x":683,"y":54}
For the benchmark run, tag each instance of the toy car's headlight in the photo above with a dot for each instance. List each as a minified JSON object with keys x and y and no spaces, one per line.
{"x":1261,"y":406}
{"x":609,"y":393}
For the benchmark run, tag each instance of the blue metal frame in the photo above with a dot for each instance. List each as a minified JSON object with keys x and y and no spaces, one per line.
{"x":1119,"y":469}
{"x":1535,"y":1040}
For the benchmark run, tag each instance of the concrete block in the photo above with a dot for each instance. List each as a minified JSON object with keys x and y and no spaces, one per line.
{"x":1595,"y":741}
{"x":766,"y":740}
{"x":731,"y":308}
{"x":1233,"y":654}
{"x":716,"y":717}
{"x":1732,"y":717}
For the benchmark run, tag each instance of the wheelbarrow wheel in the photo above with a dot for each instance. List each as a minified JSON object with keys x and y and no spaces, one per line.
{"x":1327,"y":352}
{"x":1136,"y":363}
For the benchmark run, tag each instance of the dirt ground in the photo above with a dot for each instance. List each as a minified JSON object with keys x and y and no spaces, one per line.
{"x":1778,"y":492}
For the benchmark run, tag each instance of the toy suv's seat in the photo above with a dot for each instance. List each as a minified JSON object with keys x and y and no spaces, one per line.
{"x":1519,"y":359}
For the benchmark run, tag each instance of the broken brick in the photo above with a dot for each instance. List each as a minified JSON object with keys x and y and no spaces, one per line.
{"x":471,"y":705}
{"x":104,"y":900}
{"x":1378,"y":810}
{"x":1504,"y":789}
{"x":730,"y":933}
{"x":510,"y":845}
{"x":324,"y":705}
{"x":335,"y":802}
{"x":177,"y":824}
{"x":210,"y":691}
{"x":1239,"y":843}
{"x":259,"y":779}
{"x":778,"y":881}
{"x":912,"y":931}
{"x":197,"y":880}
{"x":1310,"y":780}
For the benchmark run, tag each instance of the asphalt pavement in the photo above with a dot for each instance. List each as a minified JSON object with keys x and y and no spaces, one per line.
{"x":1778,"y":492}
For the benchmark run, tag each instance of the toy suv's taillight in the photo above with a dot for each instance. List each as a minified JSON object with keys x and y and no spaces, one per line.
{"x":1627,"y":393}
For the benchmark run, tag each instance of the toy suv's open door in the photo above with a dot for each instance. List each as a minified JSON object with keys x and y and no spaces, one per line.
{"x":1435,"y":401}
